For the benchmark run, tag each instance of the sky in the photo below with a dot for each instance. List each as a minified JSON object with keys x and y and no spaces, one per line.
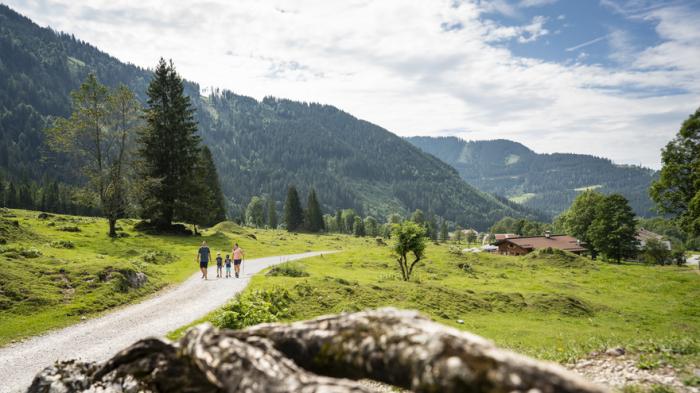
{"x":612,"y":78}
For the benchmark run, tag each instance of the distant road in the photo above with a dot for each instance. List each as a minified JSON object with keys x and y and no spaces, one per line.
{"x":100,"y":338}
{"x":693,"y":260}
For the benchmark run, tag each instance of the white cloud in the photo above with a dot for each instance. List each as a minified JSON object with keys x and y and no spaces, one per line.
{"x":396,"y":64}
{"x":535,"y":3}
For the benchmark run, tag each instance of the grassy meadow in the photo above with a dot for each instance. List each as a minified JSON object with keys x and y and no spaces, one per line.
{"x":551,"y":306}
{"x":59,"y":269}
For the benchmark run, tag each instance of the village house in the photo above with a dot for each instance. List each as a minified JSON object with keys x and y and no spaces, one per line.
{"x":644,"y":235}
{"x":526,"y":244}
{"x":496,"y":237}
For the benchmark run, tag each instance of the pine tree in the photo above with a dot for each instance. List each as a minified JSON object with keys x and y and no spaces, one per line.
{"x":169,"y":149}
{"x":271,"y":213}
{"x":358,"y":227}
{"x":339,"y":221}
{"x":314,"y":216}
{"x":11,"y":197}
{"x":2,"y":192}
{"x":215,"y":201}
{"x":26,"y":200}
{"x":349,"y":220}
{"x":444,"y":234}
{"x":293,"y":213}
{"x":52,"y":197}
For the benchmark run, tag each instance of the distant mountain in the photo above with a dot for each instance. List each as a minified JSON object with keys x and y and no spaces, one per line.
{"x":260,"y":147}
{"x":547,"y":182}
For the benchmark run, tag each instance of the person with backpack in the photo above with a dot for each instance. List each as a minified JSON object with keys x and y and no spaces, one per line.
{"x":203,"y":257}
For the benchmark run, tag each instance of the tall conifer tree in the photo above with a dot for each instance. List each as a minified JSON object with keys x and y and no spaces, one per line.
{"x":271,"y":213}
{"x":313,"y":213}
{"x":169,"y":149}
{"x":293,"y":213}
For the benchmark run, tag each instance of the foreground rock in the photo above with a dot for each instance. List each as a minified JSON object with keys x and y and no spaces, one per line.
{"x":328,"y":354}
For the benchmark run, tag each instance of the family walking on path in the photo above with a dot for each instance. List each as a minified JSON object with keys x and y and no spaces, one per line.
{"x":204,"y":256}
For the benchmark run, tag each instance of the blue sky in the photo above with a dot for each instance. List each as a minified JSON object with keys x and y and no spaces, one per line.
{"x":613,"y":78}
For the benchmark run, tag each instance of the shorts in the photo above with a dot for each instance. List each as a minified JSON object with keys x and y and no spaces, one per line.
{"x":228,"y":269}
{"x":218,"y":265}
{"x":237,"y":262}
{"x":204,"y":264}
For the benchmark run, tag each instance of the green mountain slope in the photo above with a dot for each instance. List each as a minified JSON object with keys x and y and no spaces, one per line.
{"x":260,"y":147}
{"x":547,"y":182}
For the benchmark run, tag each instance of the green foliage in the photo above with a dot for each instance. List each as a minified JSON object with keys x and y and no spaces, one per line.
{"x":613,"y":230}
{"x":207,"y":205}
{"x":253,"y":308}
{"x":288,"y":269}
{"x":62,"y":244}
{"x":255,"y":212}
{"x":271,"y":213}
{"x":418,"y":217}
{"x":99,"y":136}
{"x":358,"y":227}
{"x":520,"y":226}
{"x":444,"y":233}
{"x":371,"y":226}
{"x":293,"y":212}
{"x":655,"y":252}
{"x":578,"y":219}
{"x":409,"y":238}
{"x":169,"y":151}
{"x":546,"y":182}
{"x":677,"y":190}
{"x":314,"y":215}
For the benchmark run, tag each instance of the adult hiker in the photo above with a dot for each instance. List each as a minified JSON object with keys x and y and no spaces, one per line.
{"x":203,"y":256}
{"x":238,"y":255}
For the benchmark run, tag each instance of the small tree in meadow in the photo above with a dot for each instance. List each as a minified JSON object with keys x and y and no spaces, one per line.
{"x":409,"y":238}
{"x":444,"y":234}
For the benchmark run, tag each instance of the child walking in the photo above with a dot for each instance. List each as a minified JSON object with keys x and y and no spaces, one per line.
{"x":227,"y":261}
{"x":219,"y":264}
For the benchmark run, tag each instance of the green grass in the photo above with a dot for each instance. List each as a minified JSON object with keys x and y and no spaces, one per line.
{"x":50,"y":277}
{"x":548,"y":306}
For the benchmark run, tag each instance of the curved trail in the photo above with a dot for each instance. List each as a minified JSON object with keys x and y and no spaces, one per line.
{"x":99,"y":338}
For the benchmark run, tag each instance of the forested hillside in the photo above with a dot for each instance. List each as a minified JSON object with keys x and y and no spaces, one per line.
{"x":259,"y":147}
{"x":547,"y":182}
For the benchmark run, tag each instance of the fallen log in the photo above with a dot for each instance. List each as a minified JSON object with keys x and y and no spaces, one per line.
{"x":327,"y":354}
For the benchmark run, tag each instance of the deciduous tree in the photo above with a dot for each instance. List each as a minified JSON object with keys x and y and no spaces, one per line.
{"x":677,"y":190}
{"x":613,"y":230}
{"x":99,"y":135}
{"x":409,"y":238}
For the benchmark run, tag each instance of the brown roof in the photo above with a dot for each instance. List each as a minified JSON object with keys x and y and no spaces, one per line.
{"x":562,"y":242}
{"x":644,"y":234}
{"x":501,"y":236}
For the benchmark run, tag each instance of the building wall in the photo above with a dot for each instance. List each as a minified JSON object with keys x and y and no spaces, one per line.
{"x":507,"y":248}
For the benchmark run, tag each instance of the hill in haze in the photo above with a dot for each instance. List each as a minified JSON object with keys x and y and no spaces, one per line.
{"x":260,"y":147}
{"x":547,"y":182}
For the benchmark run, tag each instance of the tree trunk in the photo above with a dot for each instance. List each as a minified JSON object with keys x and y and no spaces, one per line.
{"x":400,"y":348}
{"x":112,"y":227}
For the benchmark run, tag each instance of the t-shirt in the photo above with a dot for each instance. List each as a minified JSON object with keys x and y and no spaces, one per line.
{"x":228,"y":262}
{"x":203,"y":254}
{"x":238,"y":253}
{"x":218,"y":261}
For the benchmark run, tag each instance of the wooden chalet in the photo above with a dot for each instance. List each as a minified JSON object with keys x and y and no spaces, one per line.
{"x":526,"y":244}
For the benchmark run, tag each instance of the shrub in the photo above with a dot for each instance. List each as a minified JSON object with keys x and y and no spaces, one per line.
{"x":69,"y":229}
{"x":62,"y":244}
{"x":30,"y":253}
{"x":288,"y":269}
{"x":158,"y":257}
{"x":261,"y":306}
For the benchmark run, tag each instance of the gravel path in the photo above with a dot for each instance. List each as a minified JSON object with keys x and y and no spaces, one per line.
{"x":100,"y":338}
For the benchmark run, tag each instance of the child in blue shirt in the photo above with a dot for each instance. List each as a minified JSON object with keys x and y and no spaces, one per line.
{"x":219,"y":272}
{"x":228,"y":266}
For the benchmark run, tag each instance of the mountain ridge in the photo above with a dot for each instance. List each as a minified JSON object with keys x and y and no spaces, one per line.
{"x":260,"y":147}
{"x":545,"y":181}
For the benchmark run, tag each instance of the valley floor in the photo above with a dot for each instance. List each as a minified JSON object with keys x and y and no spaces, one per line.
{"x":554,"y":307}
